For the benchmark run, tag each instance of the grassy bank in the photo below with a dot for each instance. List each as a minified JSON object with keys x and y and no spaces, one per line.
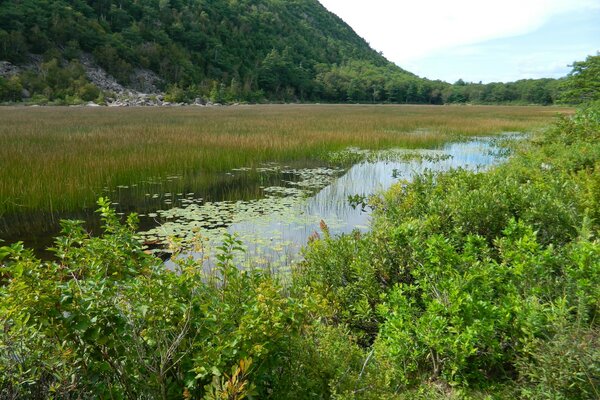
{"x":469,"y":285}
{"x":62,"y":158}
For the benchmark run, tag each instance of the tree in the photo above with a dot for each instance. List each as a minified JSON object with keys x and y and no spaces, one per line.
{"x":10,"y":89}
{"x":583,"y":82}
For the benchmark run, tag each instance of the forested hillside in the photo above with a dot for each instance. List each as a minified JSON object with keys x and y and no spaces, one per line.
{"x":245,"y":49}
{"x":293,"y":50}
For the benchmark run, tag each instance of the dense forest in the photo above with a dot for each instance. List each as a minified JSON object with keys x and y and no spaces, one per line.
{"x":238,"y":50}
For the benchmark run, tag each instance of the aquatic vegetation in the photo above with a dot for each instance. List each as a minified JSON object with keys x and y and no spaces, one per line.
{"x":56,"y":160}
{"x":273,"y":227}
{"x":266,"y":216}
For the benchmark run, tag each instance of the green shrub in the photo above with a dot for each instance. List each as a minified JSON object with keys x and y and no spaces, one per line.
{"x":565,"y":366}
{"x":464,"y":315}
{"x":107,"y":320}
{"x":175,"y":94}
{"x":11,"y":89}
{"x":88,"y":92}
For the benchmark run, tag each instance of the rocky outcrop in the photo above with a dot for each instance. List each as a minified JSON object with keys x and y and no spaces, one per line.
{"x":99,"y":77}
{"x":7,"y":69}
{"x":144,"y":90}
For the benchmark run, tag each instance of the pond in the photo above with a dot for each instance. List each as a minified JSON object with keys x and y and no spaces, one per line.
{"x":272,"y":208}
{"x":275,"y":225}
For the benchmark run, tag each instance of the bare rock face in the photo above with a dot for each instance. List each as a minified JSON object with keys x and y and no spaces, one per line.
{"x":143,"y":91}
{"x":99,"y":77}
{"x":8,"y":69}
{"x":145,"y":81}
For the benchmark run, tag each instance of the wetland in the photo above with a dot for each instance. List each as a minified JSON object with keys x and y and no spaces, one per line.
{"x":269,"y":172}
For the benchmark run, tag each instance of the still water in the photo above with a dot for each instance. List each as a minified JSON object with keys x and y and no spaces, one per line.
{"x":274,"y":227}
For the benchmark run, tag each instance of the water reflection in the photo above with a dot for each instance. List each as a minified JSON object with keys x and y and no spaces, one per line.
{"x":274,"y":237}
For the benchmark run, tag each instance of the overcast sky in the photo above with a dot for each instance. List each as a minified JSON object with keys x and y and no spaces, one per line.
{"x":477,"y":40}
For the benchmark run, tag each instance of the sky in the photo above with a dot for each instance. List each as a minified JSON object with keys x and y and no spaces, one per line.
{"x":477,"y":40}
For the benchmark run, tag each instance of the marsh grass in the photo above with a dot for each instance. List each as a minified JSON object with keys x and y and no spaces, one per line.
{"x":61,"y":159}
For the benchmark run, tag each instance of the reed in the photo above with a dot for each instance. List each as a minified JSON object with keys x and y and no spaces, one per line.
{"x":61,"y":159}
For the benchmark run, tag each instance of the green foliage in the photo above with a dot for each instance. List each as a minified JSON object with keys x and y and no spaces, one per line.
{"x":566,"y":366}
{"x":88,"y":92}
{"x":175,"y":94}
{"x":465,"y":276}
{"x":470,"y":285}
{"x":525,"y":91}
{"x":59,"y":82}
{"x":107,"y":320}
{"x":464,"y":315}
{"x":12,"y":45}
{"x":11,"y":89}
{"x":583,"y":83}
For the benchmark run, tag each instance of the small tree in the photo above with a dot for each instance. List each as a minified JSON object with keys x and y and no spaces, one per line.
{"x":583,"y":82}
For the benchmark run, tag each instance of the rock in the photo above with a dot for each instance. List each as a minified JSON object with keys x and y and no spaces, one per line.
{"x":144,"y":91}
{"x":92,"y":104}
{"x":99,"y":77}
{"x":8,"y":69}
{"x":145,"y":80}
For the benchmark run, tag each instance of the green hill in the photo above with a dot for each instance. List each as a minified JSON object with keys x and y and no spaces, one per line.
{"x":244,"y":49}
{"x":223,"y":50}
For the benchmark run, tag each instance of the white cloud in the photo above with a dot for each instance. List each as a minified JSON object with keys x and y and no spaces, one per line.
{"x":409,"y":30}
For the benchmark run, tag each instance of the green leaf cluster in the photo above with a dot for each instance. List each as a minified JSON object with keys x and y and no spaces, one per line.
{"x":583,"y":83}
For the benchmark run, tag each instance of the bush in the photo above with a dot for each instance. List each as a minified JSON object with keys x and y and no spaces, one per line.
{"x":175,"y":94}
{"x":89,"y":92}
{"x":11,"y":89}
{"x":565,"y":366}
{"x":108,"y":320}
{"x":463,"y":315}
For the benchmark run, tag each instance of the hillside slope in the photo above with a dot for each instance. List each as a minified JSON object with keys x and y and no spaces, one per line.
{"x":282,"y":49}
{"x":222,"y":50}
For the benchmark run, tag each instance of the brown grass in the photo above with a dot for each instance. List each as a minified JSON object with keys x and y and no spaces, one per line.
{"x":61,"y":158}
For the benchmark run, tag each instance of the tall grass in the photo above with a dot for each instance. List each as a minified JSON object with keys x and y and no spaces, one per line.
{"x":60,"y":159}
